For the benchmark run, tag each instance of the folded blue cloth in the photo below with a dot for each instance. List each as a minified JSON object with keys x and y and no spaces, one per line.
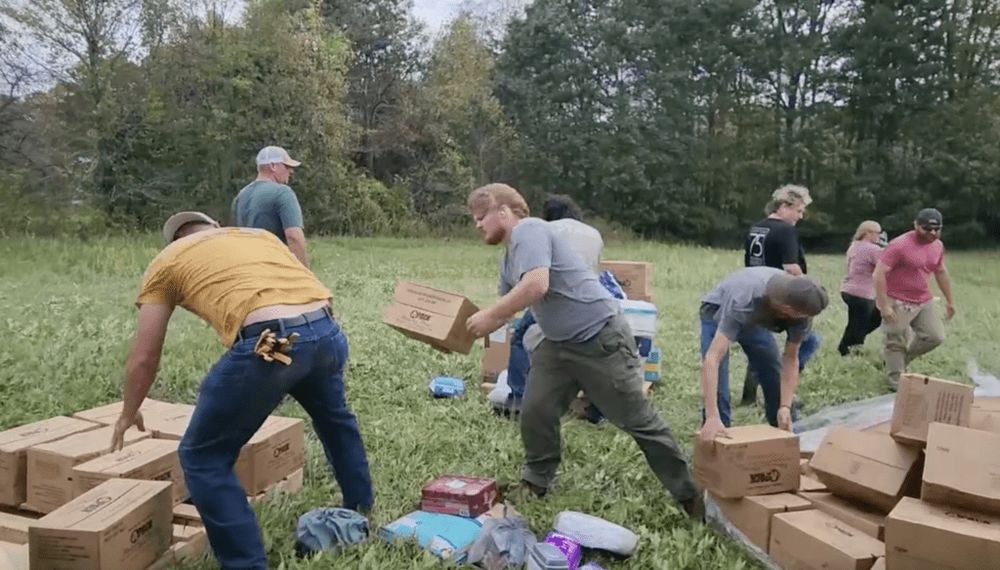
{"x":607,"y":279}
{"x":328,"y":528}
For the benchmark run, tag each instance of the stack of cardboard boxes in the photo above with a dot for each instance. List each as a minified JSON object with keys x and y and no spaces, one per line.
{"x":920,"y":491}
{"x":65,"y":502}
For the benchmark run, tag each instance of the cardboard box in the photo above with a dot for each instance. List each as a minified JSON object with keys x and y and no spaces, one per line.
{"x":880,"y":563}
{"x":108,"y":413}
{"x":151,"y":460}
{"x":431,"y":315}
{"x":808,"y":484}
{"x":865,"y":518}
{"x":635,"y":277}
{"x":752,"y":515}
{"x":985,"y":414}
{"x":962,"y":468}
{"x":14,"y":445}
{"x":922,"y":536}
{"x":277,"y":450}
{"x":496,"y":353}
{"x":921,"y":400}
{"x":13,"y":556}
{"x":187,"y":514}
{"x":291,"y":484}
{"x":182,"y":551}
{"x":752,"y":460}
{"x":883,"y":427}
{"x":813,"y":539}
{"x":14,"y":527}
{"x":50,"y":465}
{"x":867,"y":466}
{"x":122,"y":524}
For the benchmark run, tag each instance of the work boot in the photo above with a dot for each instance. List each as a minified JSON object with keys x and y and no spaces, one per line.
{"x":522,"y":492}
{"x":695,"y":507}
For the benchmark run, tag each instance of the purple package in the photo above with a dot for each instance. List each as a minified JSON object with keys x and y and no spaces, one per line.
{"x":569,"y":547}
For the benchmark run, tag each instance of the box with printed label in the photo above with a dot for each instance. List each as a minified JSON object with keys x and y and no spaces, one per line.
{"x":813,"y":539}
{"x":151,"y":459}
{"x":867,"y":466}
{"x":962,"y":468}
{"x":431,"y":315}
{"x":751,"y":460}
{"x":752,"y":515}
{"x":924,"y":536}
{"x":921,"y":400}
{"x":14,"y":445}
{"x":863,"y":517}
{"x":635,"y":277}
{"x":50,"y":465}
{"x":276,"y":451}
{"x":122,"y":524}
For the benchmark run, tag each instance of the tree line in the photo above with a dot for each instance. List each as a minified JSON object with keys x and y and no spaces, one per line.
{"x":670,"y":118}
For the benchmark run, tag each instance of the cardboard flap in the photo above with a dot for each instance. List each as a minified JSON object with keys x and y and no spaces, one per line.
{"x":32,"y":434}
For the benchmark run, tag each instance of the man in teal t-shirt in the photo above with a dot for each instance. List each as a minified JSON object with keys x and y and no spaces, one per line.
{"x":268,"y":203}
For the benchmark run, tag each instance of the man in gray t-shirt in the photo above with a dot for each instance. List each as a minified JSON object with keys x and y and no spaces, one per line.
{"x":269,"y":204}
{"x":745,"y":307}
{"x":588,"y":345}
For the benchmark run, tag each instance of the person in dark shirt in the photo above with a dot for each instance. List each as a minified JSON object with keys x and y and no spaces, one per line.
{"x":774,"y":242}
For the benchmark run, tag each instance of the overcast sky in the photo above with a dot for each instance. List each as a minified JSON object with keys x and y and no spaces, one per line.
{"x":435,"y":13}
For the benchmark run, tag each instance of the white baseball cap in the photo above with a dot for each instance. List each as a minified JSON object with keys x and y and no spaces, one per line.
{"x":178,"y":220}
{"x":275,"y":154}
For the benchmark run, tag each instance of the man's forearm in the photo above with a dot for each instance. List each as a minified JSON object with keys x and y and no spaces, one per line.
{"x":299,"y":251}
{"x":523,"y":295}
{"x":139,"y":378}
{"x":789,"y":377}
{"x":710,"y":386}
{"x":944,"y":283}
{"x":881,"y":289}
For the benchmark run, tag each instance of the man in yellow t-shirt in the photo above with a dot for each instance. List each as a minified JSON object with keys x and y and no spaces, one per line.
{"x":243,"y":281}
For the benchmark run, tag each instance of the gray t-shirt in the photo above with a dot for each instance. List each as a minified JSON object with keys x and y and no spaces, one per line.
{"x":737,"y":302}
{"x":268,"y":206}
{"x":584,"y":239}
{"x":576,"y":306}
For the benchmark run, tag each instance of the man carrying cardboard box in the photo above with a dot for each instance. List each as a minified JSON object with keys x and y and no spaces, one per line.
{"x":745,"y":307}
{"x":564,"y":218}
{"x":903,"y":297}
{"x":588,"y":345}
{"x":274,"y":317}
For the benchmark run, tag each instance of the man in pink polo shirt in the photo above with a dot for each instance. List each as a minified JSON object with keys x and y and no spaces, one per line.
{"x":903,"y":297}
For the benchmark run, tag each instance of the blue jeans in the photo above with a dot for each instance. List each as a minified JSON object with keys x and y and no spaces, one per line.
{"x":519,"y":362}
{"x":763,"y":358}
{"x":236,"y":396}
{"x":808,"y":348}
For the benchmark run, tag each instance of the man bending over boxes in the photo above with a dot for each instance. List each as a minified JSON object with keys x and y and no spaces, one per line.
{"x":274,"y":317}
{"x":588,"y":345}
{"x":745,"y":307}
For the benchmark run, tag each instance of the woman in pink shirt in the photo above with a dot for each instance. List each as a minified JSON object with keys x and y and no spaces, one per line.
{"x":858,"y":287}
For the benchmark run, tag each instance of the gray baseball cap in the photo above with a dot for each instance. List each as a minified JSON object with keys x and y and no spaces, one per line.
{"x":798,"y":292}
{"x":929,"y":217}
{"x":275,"y":154}
{"x":178,"y":220}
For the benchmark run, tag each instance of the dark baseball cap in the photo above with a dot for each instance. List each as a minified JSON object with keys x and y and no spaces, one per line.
{"x":929,"y":217}
{"x":798,"y":292}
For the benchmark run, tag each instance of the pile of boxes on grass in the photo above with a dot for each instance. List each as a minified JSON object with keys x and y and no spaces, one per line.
{"x":437,"y":317}
{"x":919,"y":492}
{"x":461,"y":520}
{"x":66,"y":503}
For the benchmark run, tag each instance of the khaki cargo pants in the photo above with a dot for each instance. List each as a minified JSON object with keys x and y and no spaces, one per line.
{"x":607,"y":369}
{"x":902,"y":345}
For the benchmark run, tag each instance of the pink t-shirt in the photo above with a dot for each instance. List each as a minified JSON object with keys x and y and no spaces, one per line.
{"x":911,"y":264}
{"x":861,"y":259}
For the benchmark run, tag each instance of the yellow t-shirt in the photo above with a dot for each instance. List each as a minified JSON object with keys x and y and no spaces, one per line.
{"x":223,"y":274}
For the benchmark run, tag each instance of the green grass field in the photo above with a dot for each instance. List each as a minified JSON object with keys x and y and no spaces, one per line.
{"x":68,"y":316}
